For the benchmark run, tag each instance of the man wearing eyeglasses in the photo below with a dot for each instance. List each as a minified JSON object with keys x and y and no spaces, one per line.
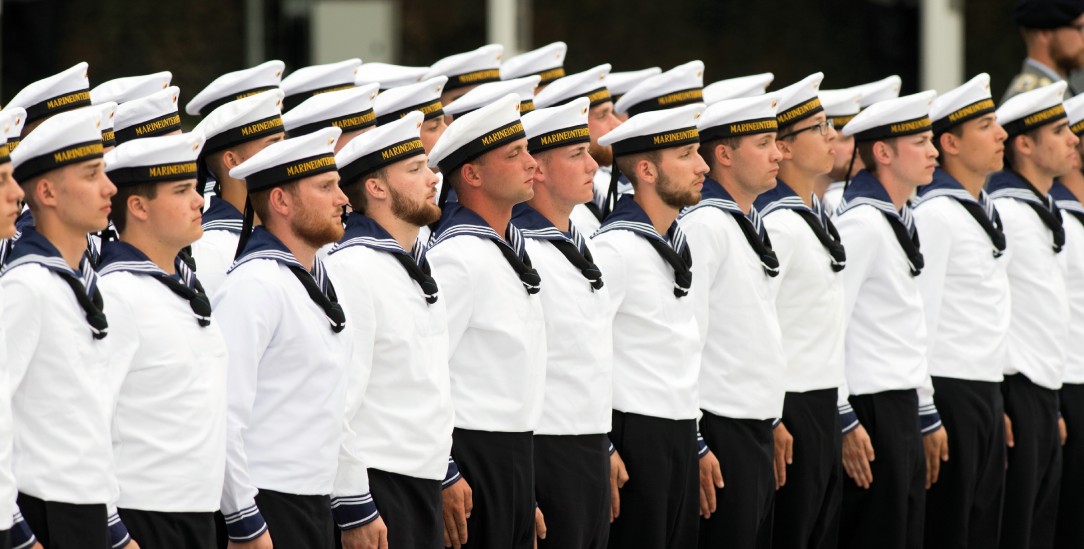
{"x":1053,"y":32}
{"x":808,"y":297}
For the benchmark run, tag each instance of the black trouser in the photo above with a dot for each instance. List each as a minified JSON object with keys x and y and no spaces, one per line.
{"x":963,"y":509}
{"x":1070,"y":529}
{"x":572,"y":483}
{"x":807,"y":507}
{"x":411,"y":507}
{"x":1033,"y":480}
{"x":62,"y":525}
{"x":5,"y":539}
{"x":661,"y":501}
{"x":499,"y":467}
{"x":297,"y":521}
{"x":743,"y":516}
{"x":161,"y":530}
{"x":891,"y":512}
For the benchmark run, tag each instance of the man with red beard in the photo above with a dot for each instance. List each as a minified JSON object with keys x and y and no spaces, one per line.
{"x":399,"y":403}
{"x":600,"y":120}
{"x":656,"y":347}
{"x":1055,"y":44}
{"x":288,"y":353}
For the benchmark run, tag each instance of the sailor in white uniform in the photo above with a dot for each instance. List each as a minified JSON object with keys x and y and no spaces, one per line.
{"x":1067,"y":195}
{"x":12,"y":120}
{"x":600,"y":120}
{"x":235,"y":132}
{"x":1040,"y":148}
{"x":14,"y":531}
{"x":350,"y":110}
{"x":399,"y":402}
{"x":571,"y":448}
{"x":167,"y":359}
{"x":288,"y":354}
{"x":964,"y":280}
{"x":308,"y":82}
{"x":647,"y":260}
{"x":497,"y":336}
{"x":886,"y":339}
{"x":809,"y":300}
{"x":55,"y":330}
{"x":741,"y":363}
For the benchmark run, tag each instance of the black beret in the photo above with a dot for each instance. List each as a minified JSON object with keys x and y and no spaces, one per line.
{"x":1047,"y":14}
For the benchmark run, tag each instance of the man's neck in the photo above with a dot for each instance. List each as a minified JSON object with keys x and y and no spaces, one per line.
{"x":743,"y":198}
{"x":1074,"y":181}
{"x":235,"y":192}
{"x":821,"y":185}
{"x":69,"y":241}
{"x":160,"y":255}
{"x":662,"y":215}
{"x":497,"y":216}
{"x":304,"y":253}
{"x":1042,"y":58}
{"x":1042,"y":182}
{"x":971,"y":181}
{"x":898,"y":191}
{"x":404,"y":233}
{"x":802,"y":183}
{"x":551,"y":209}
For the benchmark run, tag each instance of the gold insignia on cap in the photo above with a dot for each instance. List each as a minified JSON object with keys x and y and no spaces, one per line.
{"x":696,"y":116}
{"x":418,"y":125}
{"x":7,"y":127}
{"x":774,"y":102}
{"x":330,"y":140}
{"x":372,"y":96}
{"x":698,"y":72}
{"x":17,"y":119}
{"x":174,"y":98}
{"x":583,"y":111}
{"x":278,"y":72}
{"x":98,"y":123}
{"x":498,"y":57}
{"x":195,"y":145}
{"x":165,"y":84}
{"x":601,"y":76}
{"x":278,"y":102}
{"x":517,"y":106}
{"x":816,"y":85}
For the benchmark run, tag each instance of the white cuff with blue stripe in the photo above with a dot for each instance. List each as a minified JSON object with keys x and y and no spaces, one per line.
{"x":245,"y":525}
{"x":354,"y":511}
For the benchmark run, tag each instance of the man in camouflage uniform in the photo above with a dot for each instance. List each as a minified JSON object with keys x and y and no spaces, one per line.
{"x":1053,"y":32}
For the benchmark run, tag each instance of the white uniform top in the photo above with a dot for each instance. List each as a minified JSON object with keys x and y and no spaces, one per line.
{"x":655,"y":335}
{"x":742,"y":360}
{"x":60,"y":387}
{"x":833,"y":196}
{"x":886,"y":323}
{"x":579,"y":357}
{"x":287,"y":390}
{"x":399,"y":403}
{"x":965,"y":290}
{"x":497,"y":336}
{"x":1039,"y":328}
{"x":214,"y":253}
{"x":168,"y":377}
{"x":809,"y":303}
{"x":1072,"y":264}
{"x":8,"y":489}
{"x":584,"y":220}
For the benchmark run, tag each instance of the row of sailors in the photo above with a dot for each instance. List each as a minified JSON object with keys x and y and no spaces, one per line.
{"x":573,"y":365}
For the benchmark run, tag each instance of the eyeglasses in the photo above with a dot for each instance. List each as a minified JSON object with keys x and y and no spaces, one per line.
{"x":821,"y":128}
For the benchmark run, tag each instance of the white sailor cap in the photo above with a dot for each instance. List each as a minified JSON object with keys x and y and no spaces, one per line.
{"x":350,"y":110}
{"x":1074,"y":109}
{"x":655,"y":130}
{"x":891,"y":118}
{"x":841,"y":105}
{"x":738,"y":117}
{"x":316,"y":79}
{"x":289,"y":160}
{"x":681,"y":85}
{"x":800,"y":100}
{"x":590,"y":83}
{"x":150,"y":116}
{"x":242,"y":121}
{"x":557,"y":126}
{"x":620,"y":83}
{"x":107,"y":113}
{"x":547,"y":62}
{"x":122,"y":90}
{"x":11,"y":125}
{"x":742,"y":86}
{"x":469,"y":68}
{"x":384,"y":146}
{"x":487,"y":93}
{"x":423,"y":96}
{"x":387,"y":75}
{"x":66,"y":138}
{"x":962,"y":103}
{"x":874,"y":92}
{"x":1031,"y":109}
{"x":58,"y":93}
{"x":236,"y":85}
{"x":478,"y":132}
{"x":154,"y":159}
